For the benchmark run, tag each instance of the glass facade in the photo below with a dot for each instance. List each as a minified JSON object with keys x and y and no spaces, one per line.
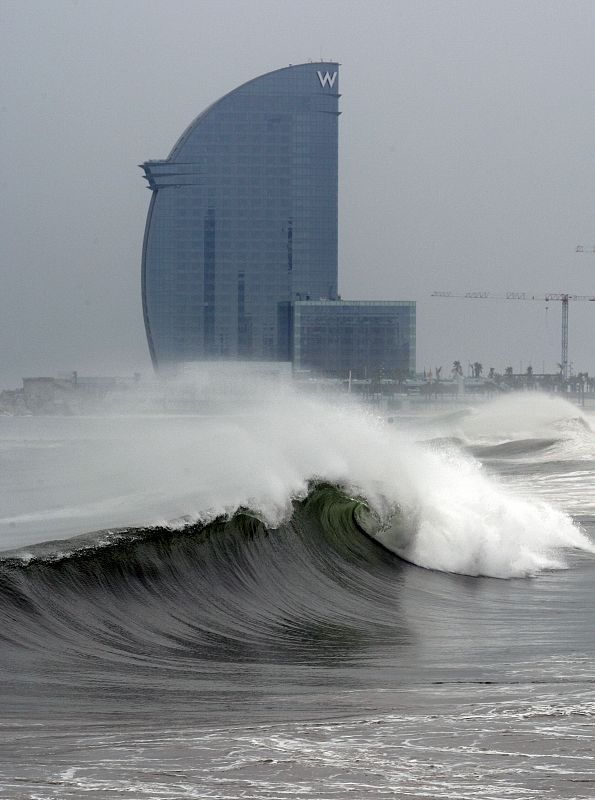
{"x":367,"y":338}
{"x":243,"y":220}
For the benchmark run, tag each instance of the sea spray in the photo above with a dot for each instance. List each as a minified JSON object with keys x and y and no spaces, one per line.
{"x":518,"y":416}
{"x":465,"y":522}
{"x":262,"y":451}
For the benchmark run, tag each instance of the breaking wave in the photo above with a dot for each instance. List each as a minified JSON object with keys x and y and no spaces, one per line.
{"x":435,"y":506}
{"x":230,"y":587}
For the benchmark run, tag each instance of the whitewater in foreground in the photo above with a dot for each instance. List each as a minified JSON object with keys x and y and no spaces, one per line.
{"x":295,"y":596}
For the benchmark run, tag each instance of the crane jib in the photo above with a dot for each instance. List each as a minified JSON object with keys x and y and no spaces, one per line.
{"x":561,"y":296}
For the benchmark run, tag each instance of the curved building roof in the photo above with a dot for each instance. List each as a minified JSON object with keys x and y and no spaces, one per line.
{"x":243,"y":219}
{"x":257,"y":85}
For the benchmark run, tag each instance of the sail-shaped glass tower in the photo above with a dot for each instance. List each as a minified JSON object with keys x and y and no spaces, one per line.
{"x":243,"y":220}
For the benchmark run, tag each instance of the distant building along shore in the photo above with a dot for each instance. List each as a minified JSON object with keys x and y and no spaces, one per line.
{"x":242,"y":229}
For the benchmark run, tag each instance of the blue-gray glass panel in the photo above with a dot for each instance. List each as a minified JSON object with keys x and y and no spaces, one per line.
{"x":366,"y":339}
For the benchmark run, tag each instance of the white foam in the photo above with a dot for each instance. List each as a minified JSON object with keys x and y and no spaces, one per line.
{"x":465,"y":522}
{"x":522,"y":415}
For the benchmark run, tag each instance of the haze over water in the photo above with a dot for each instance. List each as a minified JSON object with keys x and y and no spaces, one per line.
{"x":264,"y":643}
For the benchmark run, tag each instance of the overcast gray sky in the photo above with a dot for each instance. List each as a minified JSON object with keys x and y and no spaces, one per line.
{"x":467,"y":162}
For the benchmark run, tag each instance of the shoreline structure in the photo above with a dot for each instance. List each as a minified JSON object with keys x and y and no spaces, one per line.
{"x":199,"y":391}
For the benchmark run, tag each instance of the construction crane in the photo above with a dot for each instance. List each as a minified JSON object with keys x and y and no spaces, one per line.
{"x":561,"y":296}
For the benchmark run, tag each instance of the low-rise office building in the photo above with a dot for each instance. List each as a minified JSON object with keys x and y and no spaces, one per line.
{"x":357,"y":338}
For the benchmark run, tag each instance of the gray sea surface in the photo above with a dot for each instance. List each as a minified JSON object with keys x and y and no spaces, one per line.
{"x":279,"y":651}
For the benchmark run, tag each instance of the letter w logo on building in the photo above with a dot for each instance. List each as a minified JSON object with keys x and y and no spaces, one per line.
{"x":327,"y":79}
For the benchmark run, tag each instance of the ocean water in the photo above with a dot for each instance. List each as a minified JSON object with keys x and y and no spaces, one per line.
{"x":296,"y":597}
